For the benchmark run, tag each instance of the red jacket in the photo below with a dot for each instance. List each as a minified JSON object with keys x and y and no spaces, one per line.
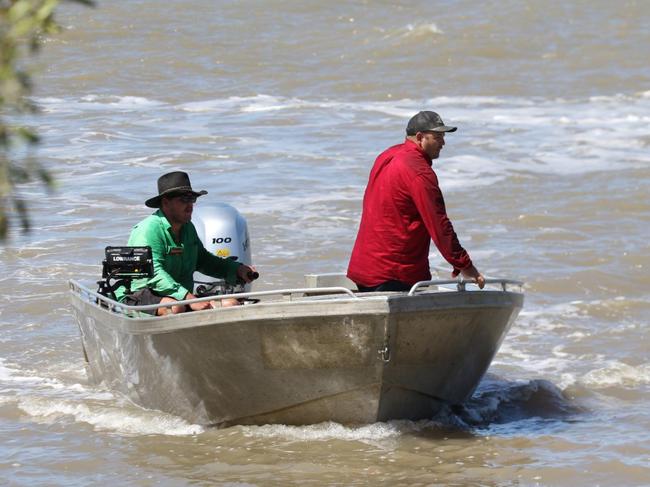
{"x":403,"y":210}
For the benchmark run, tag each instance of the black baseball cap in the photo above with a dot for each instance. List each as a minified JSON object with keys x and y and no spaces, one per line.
{"x":427,"y":122}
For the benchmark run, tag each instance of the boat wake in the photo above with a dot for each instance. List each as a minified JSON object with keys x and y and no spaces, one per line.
{"x":499,"y":405}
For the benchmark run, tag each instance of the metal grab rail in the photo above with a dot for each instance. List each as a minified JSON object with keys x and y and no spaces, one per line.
{"x":461,"y":283}
{"x":119,"y":307}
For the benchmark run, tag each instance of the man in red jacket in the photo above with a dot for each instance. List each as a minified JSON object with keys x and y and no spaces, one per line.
{"x":403,"y":210}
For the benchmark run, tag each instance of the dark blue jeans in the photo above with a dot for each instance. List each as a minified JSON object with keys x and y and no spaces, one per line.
{"x":386,"y":286}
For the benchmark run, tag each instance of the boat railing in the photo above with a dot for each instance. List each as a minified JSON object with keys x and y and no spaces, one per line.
{"x":115,"y":306}
{"x":319,"y":281}
{"x":461,"y":284}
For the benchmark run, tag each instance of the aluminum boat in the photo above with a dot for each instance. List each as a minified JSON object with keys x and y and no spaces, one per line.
{"x":302,"y":356}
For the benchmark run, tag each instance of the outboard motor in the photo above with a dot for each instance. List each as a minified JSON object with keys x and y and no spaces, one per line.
{"x":224,"y":232}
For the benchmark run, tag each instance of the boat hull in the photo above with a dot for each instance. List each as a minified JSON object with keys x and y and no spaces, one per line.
{"x":303,"y":361}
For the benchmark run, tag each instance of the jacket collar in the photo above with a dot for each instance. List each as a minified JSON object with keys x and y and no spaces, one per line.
{"x":410,"y":145}
{"x":163,"y":219}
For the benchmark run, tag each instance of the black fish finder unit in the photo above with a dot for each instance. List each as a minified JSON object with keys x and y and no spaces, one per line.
{"x":124,"y":264}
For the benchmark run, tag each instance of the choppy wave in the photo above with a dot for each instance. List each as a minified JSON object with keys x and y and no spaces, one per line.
{"x":498,"y":136}
{"x":13,"y":378}
{"x":499,"y":401}
{"x":52,"y":400}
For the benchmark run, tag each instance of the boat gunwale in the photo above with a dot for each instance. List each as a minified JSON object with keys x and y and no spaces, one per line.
{"x":334,"y":293}
{"x":318,"y":305}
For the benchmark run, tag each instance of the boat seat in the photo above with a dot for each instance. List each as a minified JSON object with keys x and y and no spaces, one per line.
{"x":332,"y":279}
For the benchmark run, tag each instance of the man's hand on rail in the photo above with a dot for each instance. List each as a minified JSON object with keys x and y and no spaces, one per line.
{"x":472,"y":273}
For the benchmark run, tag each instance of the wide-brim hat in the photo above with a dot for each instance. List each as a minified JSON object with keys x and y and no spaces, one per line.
{"x":427,"y":122}
{"x":170,"y":183}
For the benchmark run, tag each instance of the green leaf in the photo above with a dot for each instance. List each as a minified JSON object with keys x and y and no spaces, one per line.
{"x":87,"y":3}
{"x":4,"y":223}
{"x":23,"y":213}
{"x":28,"y":135}
{"x":45,"y":177}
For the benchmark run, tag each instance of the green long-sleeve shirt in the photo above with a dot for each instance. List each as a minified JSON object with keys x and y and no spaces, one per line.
{"x":175,"y":262}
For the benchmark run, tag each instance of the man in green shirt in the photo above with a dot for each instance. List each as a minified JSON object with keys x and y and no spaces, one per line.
{"x":177,"y":251}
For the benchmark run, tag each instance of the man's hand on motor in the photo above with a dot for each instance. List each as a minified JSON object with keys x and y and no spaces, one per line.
{"x":247,"y":273}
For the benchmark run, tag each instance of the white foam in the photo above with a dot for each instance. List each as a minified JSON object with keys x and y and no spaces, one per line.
{"x":49,"y":100}
{"x":263,"y":204}
{"x":482,"y":171}
{"x":11,"y":375}
{"x":239,"y":103}
{"x":270,"y":104}
{"x":14,"y":380}
{"x":107,"y":418}
{"x":121,"y":101}
{"x":331,"y":430}
{"x":94,"y":102}
{"x":617,"y":373}
{"x":418,"y":30}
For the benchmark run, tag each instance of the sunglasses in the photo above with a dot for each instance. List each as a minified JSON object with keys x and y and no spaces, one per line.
{"x":186,"y":198}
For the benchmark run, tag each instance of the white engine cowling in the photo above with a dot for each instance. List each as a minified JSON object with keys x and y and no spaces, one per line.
{"x":224,"y":232}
